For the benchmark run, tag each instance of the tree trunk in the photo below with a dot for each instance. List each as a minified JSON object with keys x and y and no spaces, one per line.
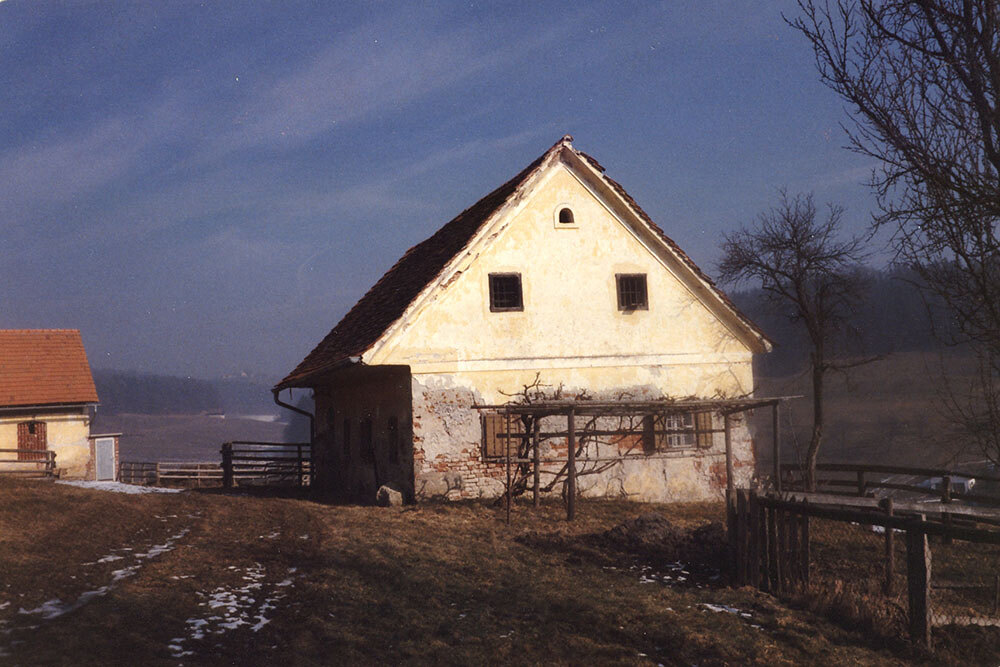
{"x":817,"y":431}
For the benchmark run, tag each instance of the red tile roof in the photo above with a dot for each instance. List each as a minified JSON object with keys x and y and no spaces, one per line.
{"x":389,"y":298}
{"x":44,"y":367}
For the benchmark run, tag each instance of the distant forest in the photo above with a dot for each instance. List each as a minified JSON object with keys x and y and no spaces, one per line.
{"x":893,"y":316}
{"x":144,"y":393}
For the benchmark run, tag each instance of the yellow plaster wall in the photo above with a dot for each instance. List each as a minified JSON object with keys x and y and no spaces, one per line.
{"x":570,"y":318}
{"x":67,"y":436}
{"x":570,"y":333}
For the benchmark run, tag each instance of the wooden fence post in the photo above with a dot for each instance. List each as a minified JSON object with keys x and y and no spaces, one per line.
{"x":804,"y":551}
{"x":794,"y":565}
{"x":299,"y":449}
{"x":227,"y":465}
{"x":890,"y":549}
{"x":946,"y":499}
{"x":779,"y":553}
{"x":762,"y":544}
{"x":772,"y":551}
{"x":742,"y":555}
{"x":753,"y":524}
{"x":861,"y":483}
{"x":918,"y":578}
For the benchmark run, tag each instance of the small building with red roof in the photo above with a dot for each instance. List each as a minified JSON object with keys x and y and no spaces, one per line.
{"x":47,"y":403}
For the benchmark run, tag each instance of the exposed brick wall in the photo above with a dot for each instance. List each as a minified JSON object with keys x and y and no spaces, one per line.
{"x":448,"y":462}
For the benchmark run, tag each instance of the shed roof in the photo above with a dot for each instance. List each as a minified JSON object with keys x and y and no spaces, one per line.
{"x":390,"y":297}
{"x":44,"y":367}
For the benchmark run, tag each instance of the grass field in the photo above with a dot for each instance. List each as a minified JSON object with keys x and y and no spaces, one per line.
{"x":91,"y":577}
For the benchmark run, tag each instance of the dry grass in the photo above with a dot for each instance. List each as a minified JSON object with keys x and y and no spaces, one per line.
{"x":434,"y":583}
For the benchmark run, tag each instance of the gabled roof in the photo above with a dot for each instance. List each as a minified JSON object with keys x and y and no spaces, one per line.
{"x":44,"y":367}
{"x":390,"y":297}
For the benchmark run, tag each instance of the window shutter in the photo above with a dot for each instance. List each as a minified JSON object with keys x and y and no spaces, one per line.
{"x":703,"y":426}
{"x":494,"y":426}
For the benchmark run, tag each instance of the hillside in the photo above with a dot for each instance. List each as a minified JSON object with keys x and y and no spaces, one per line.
{"x":198,"y":578}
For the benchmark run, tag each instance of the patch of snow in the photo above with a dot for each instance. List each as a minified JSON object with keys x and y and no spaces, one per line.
{"x":246,"y":605}
{"x":118,"y":487}
{"x":720,"y":608}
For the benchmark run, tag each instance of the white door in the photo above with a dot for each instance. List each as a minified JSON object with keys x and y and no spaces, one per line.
{"x":104,"y":450}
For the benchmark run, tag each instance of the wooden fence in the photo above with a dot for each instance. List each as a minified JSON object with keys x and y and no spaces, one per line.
{"x":863,"y":479}
{"x":35,"y":463}
{"x":170,"y":473}
{"x":770,"y":541}
{"x":248,"y":463}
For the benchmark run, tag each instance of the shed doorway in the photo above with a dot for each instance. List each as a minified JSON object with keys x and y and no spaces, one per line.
{"x":104,"y":455}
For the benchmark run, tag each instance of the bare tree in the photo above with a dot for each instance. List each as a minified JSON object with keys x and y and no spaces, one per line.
{"x":922,"y":78}
{"x":806,"y":269}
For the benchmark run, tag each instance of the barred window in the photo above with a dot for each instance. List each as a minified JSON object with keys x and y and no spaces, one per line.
{"x":677,"y":431}
{"x":505,"y":292}
{"x":631,"y":291}
{"x":494,"y":432}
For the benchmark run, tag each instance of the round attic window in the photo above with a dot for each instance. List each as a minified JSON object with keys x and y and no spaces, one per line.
{"x":566,"y":216}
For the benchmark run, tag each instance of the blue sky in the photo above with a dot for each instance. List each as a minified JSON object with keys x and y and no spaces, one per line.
{"x":206,"y":188}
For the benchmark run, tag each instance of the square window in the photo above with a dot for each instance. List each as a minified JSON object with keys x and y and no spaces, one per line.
{"x":505,"y":292}
{"x":632,"y":291}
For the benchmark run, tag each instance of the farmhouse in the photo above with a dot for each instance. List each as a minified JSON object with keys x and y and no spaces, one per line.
{"x":47,"y":399}
{"x":557,"y":281}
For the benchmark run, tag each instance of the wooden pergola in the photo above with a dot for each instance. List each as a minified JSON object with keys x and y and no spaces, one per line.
{"x":572,"y":409}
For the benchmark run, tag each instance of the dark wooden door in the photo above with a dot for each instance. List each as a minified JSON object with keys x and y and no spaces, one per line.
{"x":31,"y":436}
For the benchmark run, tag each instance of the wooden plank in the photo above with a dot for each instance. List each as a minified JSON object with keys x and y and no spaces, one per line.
{"x":805,"y":551}
{"x":918,"y":577}
{"x":772,"y":550}
{"x":779,"y":554}
{"x":890,"y":550}
{"x":753,"y":540}
{"x":742,"y":555}
{"x":794,"y":566}
{"x":891,"y":470}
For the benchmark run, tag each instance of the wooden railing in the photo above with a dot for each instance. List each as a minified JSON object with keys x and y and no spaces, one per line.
{"x":769,"y":537}
{"x":250,"y":463}
{"x":36,"y":462}
{"x":865,"y":478}
{"x":159,"y":473}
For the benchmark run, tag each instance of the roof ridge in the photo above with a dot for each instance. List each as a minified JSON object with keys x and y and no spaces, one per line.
{"x":386,"y":301}
{"x":399,"y":287}
{"x":39,"y":330}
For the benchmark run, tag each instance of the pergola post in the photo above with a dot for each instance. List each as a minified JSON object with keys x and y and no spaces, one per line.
{"x":536,"y":482}
{"x":776,"y":435}
{"x":730,"y":482}
{"x":507,"y":442}
{"x":571,"y":466}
